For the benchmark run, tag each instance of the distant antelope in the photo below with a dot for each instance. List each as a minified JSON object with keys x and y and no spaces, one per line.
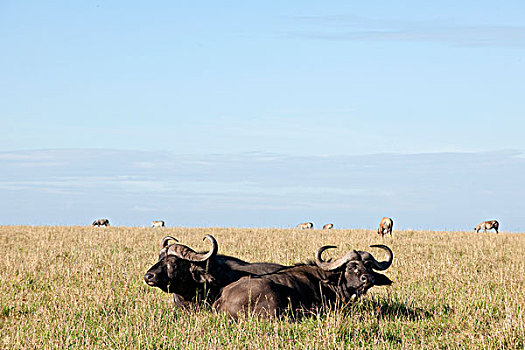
{"x":385,"y":226}
{"x":158,"y":223}
{"x":305,"y":225}
{"x":328,"y":226}
{"x":488,"y":225}
{"x":100,"y":222}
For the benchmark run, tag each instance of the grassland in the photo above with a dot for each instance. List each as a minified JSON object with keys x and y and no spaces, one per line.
{"x":82,"y":287}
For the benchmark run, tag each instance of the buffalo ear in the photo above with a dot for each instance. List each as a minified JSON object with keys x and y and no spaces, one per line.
{"x":200,"y":275}
{"x":381,"y":280}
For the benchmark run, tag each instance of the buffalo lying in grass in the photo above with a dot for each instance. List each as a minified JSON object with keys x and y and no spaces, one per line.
{"x":305,"y":287}
{"x":194,"y":277}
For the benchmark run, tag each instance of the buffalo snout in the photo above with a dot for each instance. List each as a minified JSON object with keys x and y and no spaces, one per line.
{"x":149,"y":278}
{"x":367,"y":279}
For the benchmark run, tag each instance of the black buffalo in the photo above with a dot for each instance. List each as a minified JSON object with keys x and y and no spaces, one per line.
{"x":305,"y":287}
{"x":194,"y":277}
{"x":100,"y":222}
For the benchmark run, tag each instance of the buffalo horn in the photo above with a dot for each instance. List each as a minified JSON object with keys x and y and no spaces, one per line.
{"x":183,"y":252}
{"x":165,"y":241}
{"x":352,"y":255}
{"x":383,"y":265}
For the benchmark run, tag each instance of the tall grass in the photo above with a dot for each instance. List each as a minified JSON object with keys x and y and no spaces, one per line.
{"x":82,"y":287}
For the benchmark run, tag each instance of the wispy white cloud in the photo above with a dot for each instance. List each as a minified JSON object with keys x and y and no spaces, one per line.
{"x":14,"y":156}
{"x":359,"y":28}
{"x":249,"y":188}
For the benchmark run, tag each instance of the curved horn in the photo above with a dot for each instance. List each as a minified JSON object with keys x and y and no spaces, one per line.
{"x":380,"y":266}
{"x":213,"y":250}
{"x":165,"y":240}
{"x":319,"y":260}
{"x":183,"y":252}
{"x":329,"y":266}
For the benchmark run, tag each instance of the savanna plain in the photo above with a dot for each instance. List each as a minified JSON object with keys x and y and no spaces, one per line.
{"x":82,"y":288}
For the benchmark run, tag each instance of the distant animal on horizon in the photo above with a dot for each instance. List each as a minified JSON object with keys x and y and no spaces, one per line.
{"x":305,"y":226}
{"x":385,"y":226}
{"x":328,"y":226}
{"x":488,"y":225}
{"x":158,"y":223}
{"x":100,"y":222}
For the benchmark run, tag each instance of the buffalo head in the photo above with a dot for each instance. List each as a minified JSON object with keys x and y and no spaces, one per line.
{"x":358,"y":271}
{"x":180,"y":269}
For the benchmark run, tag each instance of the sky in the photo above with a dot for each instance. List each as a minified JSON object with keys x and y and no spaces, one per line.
{"x":322,"y":93}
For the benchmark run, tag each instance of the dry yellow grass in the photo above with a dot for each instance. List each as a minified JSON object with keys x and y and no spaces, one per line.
{"x":82,"y":287}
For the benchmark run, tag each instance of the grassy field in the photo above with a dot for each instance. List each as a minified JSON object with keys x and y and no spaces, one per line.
{"x":82,"y":287}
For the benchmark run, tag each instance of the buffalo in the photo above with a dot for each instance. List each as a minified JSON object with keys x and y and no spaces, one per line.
{"x":196,"y":277}
{"x":100,"y":222}
{"x":307,"y":286}
{"x":487,"y":225}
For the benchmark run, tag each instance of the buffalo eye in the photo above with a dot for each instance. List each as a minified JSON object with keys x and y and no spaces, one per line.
{"x":170,"y":268}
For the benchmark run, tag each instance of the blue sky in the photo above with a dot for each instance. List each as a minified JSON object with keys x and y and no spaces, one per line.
{"x":298,"y":80}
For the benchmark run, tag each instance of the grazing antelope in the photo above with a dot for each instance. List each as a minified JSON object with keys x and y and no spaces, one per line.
{"x":487,"y":225}
{"x":100,"y":222}
{"x":305,"y":226}
{"x":385,"y":226}
{"x":328,"y":226}
{"x":158,"y":223}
